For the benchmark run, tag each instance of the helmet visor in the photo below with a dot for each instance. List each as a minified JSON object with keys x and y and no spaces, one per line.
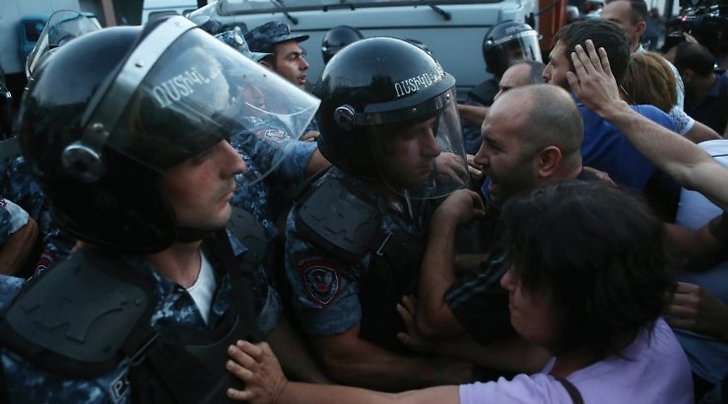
{"x":197,"y":92}
{"x":61,"y":27}
{"x":521,"y":46}
{"x":424,"y":157}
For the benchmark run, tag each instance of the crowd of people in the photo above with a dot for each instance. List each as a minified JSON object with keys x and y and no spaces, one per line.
{"x":192,"y":220}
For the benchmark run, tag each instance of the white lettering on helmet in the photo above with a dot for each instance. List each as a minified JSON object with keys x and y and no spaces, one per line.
{"x":180,"y":86}
{"x":420,"y":82}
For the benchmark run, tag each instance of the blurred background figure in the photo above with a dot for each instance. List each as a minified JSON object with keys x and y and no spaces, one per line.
{"x":654,"y":30}
{"x":711,"y":31}
{"x":572,"y":13}
{"x":505,"y":44}
{"x":706,"y":90}
{"x":336,"y":39}
{"x":593,"y":8}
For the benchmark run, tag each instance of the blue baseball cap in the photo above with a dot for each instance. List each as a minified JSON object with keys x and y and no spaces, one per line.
{"x":264,"y":37}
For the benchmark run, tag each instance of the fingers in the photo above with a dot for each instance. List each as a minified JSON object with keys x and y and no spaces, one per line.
{"x":595,"y":62}
{"x":589,"y":61}
{"x":410,"y":303}
{"x":242,"y":372}
{"x":605,"y":62}
{"x":475,"y":169}
{"x":239,"y":395}
{"x":309,"y":136}
{"x":573,"y":81}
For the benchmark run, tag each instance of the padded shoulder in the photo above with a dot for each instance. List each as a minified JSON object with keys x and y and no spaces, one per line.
{"x":246,"y":228}
{"x":75,"y":319}
{"x":337,"y":220}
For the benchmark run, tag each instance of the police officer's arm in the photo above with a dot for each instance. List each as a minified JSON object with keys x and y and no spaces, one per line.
{"x":18,"y":248}
{"x":294,"y":355}
{"x":474,"y":114}
{"x":595,"y":86}
{"x":317,"y":163}
{"x":352,"y":360}
{"x":435,"y":319}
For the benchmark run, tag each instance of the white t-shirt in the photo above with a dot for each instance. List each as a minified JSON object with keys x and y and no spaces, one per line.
{"x":203,"y":290}
{"x":654,"y":369}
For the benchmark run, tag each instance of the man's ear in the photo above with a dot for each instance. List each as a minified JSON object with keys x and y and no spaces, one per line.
{"x":548,"y":161}
{"x":641,"y":27}
{"x":687,"y":75}
{"x":267,"y":64}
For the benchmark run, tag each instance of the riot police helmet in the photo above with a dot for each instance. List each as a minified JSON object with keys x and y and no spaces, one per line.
{"x":508,"y":42}
{"x":373,"y":92}
{"x":337,"y":38}
{"x":62,"y":27}
{"x":113,"y":110}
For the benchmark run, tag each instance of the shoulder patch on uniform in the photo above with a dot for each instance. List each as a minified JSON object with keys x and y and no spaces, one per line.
{"x":321,"y":279}
{"x":273,"y":135}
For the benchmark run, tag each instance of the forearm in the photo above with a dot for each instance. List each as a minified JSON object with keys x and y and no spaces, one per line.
{"x":316,"y":163}
{"x":510,"y":355}
{"x":360,"y":363}
{"x":294,"y":355}
{"x":434,"y":317}
{"x":473,"y":114}
{"x":699,"y":248}
{"x":17,"y":249}
{"x":684,"y":161}
{"x":295,"y":393}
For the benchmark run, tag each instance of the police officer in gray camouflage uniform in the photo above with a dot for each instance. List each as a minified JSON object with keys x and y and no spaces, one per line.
{"x":135,"y":158}
{"x":354,"y":241}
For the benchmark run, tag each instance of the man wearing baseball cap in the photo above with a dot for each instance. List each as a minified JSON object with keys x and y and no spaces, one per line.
{"x":287,"y":57}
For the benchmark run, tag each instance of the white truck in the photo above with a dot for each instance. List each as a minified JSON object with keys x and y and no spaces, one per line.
{"x":452,"y":30}
{"x":21,"y":22}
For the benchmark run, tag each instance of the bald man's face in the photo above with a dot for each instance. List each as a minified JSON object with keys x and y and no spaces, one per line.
{"x":509,"y":167}
{"x":516,"y":76}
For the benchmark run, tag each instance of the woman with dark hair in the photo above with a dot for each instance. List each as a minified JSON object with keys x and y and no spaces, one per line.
{"x":588,"y":280}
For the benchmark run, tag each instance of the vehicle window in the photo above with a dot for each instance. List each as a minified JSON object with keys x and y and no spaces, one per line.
{"x":301,"y":5}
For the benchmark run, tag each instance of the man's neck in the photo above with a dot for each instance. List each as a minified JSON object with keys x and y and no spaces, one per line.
{"x":180,"y":262}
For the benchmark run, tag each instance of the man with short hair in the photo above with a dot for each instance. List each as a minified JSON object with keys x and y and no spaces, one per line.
{"x":706,"y":90}
{"x":604,"y":147}
{"x":520,"y":74}
{"x":136,"y":162}
{"x":288,"y":58}
{"x":524,"y":146}
{"x":354,"y":239}
{"x":632,"y":16}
